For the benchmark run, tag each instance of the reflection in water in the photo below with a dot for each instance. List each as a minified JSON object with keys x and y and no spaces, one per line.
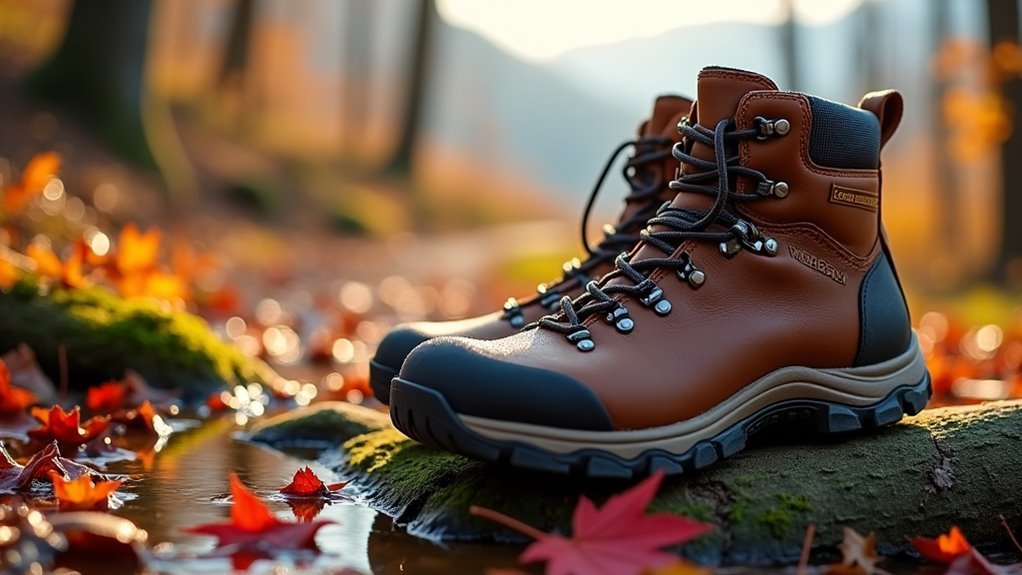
{"x":185,"y":484}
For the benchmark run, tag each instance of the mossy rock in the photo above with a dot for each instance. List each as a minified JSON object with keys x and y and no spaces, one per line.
{"x":954,"y":466}
{"x":326,"y":423}
{"x":103,"y":335}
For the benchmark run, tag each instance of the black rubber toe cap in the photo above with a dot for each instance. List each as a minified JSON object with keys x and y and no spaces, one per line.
{"x":398,"y":343}
{"x":477,"y":383}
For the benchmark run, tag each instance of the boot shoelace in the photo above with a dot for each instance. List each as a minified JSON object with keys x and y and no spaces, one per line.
{"x":677,"y":225}
{"x":645,"y":189}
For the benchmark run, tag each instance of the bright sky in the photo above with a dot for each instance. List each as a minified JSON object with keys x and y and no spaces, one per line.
{"x":543,"y":29}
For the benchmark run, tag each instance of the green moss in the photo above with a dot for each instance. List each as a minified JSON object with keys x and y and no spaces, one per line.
{"x":777,"y":520}
{"x":103,"y":335}
{"x":738,"y":511}
{"x":332,"y":422}
{"x":797,"y":503}
{"x":691,"y":509}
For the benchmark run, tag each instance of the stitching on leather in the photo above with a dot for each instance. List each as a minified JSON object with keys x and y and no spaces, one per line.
{"x":811,"y":232}
{"x":735,"y":75}
{"x":804,"y":134}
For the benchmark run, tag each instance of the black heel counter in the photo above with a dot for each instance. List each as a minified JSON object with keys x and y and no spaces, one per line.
{"x":885,"y":328}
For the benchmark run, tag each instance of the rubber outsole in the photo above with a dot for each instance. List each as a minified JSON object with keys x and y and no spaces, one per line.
{"x":380,"y":376}
{"x":425,"y":416}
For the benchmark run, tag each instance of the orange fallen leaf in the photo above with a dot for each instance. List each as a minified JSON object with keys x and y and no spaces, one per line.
{"x":945,"y":548}
{"x":9,"y":274}
{"x":82,"y":493}
{"x":13,"y":399}
{"x":37,"y":173}
{"x":107,"y":397}
{"x":47,"y":263}
{"x":137,"y":252}
{"x":66,"y":427}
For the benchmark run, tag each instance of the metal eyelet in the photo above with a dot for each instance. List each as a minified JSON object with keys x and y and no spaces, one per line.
{"x":582,"y":339}
{"x":654,"y":297}
{"x":513,"y":313}
{"x":682,"y":122}
{"x":775,"y":189}
{"x":693,"y":275}
{"x":548,"y":298}
{"x":621,"y":320}
{"x":768,"y":128}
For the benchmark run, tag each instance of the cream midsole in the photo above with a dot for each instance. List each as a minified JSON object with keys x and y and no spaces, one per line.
{"x":856,"y":387}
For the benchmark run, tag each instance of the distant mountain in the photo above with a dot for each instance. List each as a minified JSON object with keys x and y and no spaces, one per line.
{"x":521,"y":116}
{"x":878,"y":45}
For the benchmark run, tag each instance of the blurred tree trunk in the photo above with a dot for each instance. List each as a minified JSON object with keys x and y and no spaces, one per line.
{"x":99,"y":70}
{"x":231,"y":80}
{"x":360,"y":16}
{"x":235,"y":59}
{"x":401,"y":161}
{"x":1003,"y":19}
{"x":789,"y":43}
{"x":949,"y":227}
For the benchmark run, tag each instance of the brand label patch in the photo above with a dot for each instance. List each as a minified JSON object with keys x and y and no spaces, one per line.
{"x":816,"y":264}
{"x":855,"y":198}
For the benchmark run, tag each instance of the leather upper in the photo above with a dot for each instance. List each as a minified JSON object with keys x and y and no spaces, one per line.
{"x":755,"y":313}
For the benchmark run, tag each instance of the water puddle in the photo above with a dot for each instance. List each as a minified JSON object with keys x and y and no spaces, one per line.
{"x":185,"y":484}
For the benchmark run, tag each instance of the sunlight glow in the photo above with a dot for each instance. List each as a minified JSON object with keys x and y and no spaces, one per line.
{"x":541,"y":29}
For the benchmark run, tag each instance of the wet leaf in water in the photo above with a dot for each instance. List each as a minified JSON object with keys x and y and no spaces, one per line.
{"x":307,"y":484}
{"x":254,"y":527}
{"x":66,"y":427}
{"x":82,"y":493}
{"x":15,"y":477}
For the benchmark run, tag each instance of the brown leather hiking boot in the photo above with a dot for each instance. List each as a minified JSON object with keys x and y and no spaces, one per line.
{"x":764,"y":293}
{"x":647,"y":172}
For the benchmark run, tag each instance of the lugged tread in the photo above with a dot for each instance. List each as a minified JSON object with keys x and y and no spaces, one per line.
{"x":425,"y":416}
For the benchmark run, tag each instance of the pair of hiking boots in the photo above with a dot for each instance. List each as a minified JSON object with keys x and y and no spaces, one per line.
{"x":747,"y":283}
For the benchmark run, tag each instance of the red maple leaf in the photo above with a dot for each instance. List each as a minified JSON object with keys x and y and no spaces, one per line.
{"x":16,"y":477}
{"x":106,"y":398}
{"x":254,"y":527}
{"x":13,"y":399}
{"x":945,"y":548}
{"x":66,"y":427}
{"x":616,"y":539}
{"x":306,"y":509}
{"x":307,"y":484}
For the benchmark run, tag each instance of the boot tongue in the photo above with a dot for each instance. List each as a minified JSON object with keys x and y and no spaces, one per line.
{"x":664,"y":119}
{"x":667,"y":112}
{"x":719,"y":90}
